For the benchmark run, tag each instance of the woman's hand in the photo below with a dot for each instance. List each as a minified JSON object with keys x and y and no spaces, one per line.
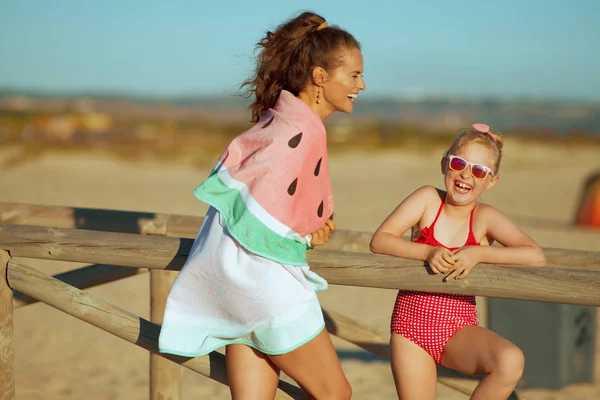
{"x":440,"y":259}
{"x":322,"y":236}
{"x":465,"y":259}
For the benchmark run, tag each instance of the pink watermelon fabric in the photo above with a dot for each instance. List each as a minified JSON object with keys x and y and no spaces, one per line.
{"x":272,"y":185}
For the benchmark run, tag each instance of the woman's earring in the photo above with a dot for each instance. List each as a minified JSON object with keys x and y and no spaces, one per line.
{"x":319,"y":96}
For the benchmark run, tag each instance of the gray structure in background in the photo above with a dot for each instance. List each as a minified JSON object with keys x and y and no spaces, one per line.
{"x":557,"y":339}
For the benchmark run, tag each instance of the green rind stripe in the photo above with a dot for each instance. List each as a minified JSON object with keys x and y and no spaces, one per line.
{"x":248,"y":230}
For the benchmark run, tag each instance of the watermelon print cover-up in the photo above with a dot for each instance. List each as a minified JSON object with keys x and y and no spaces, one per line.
{"x":246,"y":279}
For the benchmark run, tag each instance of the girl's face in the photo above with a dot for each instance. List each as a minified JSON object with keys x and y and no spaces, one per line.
{"x":341,"y":87}
{"x":462,"y":187}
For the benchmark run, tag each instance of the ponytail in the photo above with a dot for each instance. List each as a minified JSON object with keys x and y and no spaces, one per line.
{"x":288,"y":55}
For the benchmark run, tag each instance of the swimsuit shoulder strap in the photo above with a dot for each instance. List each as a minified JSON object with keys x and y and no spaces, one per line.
{"x":471,"y":220}
{"x":438,"y":212}
{"x":471,"y":238}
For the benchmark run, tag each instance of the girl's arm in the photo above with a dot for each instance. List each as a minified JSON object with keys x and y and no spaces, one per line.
{"x":518,"y":247}
{"x":388,"y":237}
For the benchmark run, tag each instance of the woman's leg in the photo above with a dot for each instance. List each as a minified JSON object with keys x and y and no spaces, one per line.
{"x":414,"y":370}
{"x":316,"y":368}
{"x":251,"y":374}
{"x":478,"y":351}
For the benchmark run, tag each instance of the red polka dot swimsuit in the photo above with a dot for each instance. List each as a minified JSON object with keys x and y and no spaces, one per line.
{"x":430,"y":319}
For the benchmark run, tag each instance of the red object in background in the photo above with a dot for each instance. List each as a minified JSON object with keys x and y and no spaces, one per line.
{"x":588,"y":213}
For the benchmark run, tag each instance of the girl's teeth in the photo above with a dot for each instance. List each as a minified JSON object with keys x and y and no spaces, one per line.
{"x":462,"y":186}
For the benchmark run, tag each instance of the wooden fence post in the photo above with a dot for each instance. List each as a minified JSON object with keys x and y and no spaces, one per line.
{"x":165,"y":376}
{"x":482,"y":311}
{"x":7,"y":350}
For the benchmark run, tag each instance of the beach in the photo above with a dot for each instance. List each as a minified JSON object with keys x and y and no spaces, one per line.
{"x":60,"y":357}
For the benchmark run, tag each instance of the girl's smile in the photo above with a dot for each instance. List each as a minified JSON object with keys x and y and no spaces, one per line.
{"x":463,"y":187}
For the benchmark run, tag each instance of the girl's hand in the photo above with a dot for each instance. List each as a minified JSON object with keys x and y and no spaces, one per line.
{"x":322,"y":236}
{"x":465,"y":259}
{"x":440,"y":259}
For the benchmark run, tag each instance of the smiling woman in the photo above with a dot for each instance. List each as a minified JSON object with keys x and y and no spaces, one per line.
{"x":246,"y":284}
{"x":322,"y":66}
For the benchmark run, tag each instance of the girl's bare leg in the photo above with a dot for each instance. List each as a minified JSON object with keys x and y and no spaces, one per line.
{"x":414,"y":370}
{"x":316,"y":368}
{"x":479,"y":351}
{"x":251,"y":374}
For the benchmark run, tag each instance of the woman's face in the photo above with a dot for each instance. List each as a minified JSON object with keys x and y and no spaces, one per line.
{"x":341,"y":87}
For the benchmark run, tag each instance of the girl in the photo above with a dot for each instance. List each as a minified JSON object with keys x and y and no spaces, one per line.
{"x":246,"y":284}
{"x":453,"y":232}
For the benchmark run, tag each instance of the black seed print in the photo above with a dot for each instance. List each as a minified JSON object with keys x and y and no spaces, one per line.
{"x":268,"y":122}
{"x":318,"y":167}
{"x":320,"y":210}
{"x":295,"y":141}
{"x":292,"y":187}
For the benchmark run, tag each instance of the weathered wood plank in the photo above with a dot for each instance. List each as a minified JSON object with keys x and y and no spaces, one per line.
{"x":560,"y":285}
{"x":7,"y":350}
{"x":96,"y":247}
{"x":115,"y":320}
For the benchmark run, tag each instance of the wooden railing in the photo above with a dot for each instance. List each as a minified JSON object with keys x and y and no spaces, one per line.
{"x":83,"y":235}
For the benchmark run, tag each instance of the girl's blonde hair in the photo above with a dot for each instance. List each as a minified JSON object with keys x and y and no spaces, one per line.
{"x":479,"y":134}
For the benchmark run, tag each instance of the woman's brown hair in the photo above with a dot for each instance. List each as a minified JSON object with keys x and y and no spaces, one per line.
{"x":287,"y":57}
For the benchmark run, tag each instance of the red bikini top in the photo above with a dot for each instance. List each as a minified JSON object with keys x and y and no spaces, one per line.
{"x":427,"y":234}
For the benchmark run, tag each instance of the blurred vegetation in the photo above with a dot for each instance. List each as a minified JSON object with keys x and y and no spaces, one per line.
{"x":200,"y":140}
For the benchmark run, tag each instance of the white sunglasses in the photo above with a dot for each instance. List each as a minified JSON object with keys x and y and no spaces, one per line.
{"x":478,"y":171}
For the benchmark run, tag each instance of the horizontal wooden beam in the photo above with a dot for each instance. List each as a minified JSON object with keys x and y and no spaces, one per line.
{"x":572,"y":277}
{"x":549,"y":284}
{"x":116,"y":321}
{"x":95,"y":247}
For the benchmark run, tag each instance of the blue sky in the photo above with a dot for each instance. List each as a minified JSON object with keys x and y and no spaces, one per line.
{"x":508,"y":48}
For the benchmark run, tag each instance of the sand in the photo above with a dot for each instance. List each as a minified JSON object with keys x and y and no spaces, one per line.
{"x":60,"y":357}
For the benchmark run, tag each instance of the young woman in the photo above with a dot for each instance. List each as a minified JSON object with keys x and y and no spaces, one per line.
{"x":246,"y":284}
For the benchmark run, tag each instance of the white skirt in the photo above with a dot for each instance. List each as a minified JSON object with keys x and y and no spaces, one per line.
{"x":224,"y":294}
